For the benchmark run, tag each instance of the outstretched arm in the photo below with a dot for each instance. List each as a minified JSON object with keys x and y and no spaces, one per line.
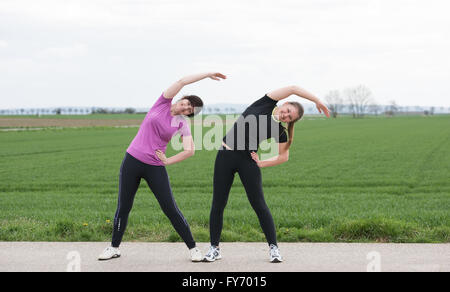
{"x":173,"y":90}
{"x":285,"y":92}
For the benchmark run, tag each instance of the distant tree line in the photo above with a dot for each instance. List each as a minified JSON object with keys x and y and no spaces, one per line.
{"x":218,"y":110}
{"x":66,"y":111}
{"x":128,"y":110}
{"x":359,"y":101}
{"x":356,"y":101}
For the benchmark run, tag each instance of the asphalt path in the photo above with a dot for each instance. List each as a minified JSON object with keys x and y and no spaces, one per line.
{"x":237,"y":257}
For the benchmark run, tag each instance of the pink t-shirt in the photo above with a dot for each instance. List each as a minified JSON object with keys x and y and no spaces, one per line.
{"x":156,"y":131}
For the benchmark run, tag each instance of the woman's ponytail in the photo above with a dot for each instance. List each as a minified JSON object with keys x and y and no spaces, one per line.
{"x":292,"y":124}
{"x":290,"y":133}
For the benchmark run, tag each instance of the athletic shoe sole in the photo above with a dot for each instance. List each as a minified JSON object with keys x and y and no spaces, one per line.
{"x":114,"y":257}
{"x":276,"y":261}
{"x":205,"y":260}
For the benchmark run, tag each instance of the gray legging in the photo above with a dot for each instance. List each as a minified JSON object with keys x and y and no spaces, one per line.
{"x":131,"y":172}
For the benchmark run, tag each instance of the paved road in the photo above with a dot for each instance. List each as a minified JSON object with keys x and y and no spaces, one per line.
{"x":237,"y":257}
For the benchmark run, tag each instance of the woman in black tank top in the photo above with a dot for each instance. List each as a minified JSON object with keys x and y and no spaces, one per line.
{"x":259,"y":122}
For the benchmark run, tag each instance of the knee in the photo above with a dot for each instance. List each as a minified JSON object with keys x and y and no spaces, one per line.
{"x":123,"y":210}
{"x":218,"y":208}
{"x":170,"y":210}
{"x":260,"y":207}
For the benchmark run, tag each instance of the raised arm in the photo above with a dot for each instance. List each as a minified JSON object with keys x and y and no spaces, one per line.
{"x":173,"y":90}
{"x":285,"y":92}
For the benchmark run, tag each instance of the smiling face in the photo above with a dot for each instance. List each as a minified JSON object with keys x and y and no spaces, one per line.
{"x":189,"y":106}
{"x":184,"y":107}
{"x":288,"y":113}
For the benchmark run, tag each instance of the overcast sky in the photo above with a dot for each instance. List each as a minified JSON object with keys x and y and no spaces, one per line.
{"x":124,"y":53}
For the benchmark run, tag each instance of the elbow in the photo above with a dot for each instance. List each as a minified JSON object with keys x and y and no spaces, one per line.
{"x":190,"y":153}
{"x":181,"y":82}
{"x":293,"y":89}
{"x":284,"y":158}
{"x":281,"y":160}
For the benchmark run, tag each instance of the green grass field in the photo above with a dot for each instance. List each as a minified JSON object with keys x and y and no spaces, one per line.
{"x":348,"y":180}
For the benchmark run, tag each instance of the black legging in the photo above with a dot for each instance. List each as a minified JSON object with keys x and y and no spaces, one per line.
{"x":229,"y":162}
{"x":131,"y":172}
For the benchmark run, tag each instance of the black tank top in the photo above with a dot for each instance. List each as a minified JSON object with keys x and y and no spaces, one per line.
{"x":254,"y":126}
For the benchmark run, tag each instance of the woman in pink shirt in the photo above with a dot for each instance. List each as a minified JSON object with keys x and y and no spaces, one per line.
{"x":145,"y":159}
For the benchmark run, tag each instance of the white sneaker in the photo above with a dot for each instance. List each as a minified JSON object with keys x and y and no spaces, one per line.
{"x":213,"y":254}
{"x":275,"y":256}
{"x":109,"y":253}
{"x":196,"y":254}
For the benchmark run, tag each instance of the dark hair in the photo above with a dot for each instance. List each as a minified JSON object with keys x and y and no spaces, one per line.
{"x":291,"y":124}
{"x":196,"y":102}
